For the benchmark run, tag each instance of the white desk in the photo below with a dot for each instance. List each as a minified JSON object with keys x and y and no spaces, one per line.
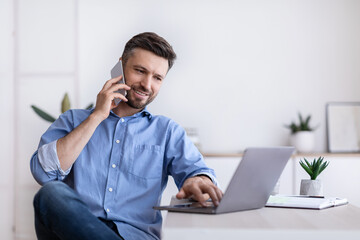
{"x":341,"y":222}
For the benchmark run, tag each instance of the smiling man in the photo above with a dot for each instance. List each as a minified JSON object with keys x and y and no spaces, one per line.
{"x":103,"y":170}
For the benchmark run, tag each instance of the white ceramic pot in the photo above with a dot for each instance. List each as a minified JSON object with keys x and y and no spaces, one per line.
{"x":311,"y":187}
{"x":303,"y":141}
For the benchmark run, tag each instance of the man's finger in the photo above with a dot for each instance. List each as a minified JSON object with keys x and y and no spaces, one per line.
{"x":212,"y":192}
{"x":205,"y":196}
{"x":116,"y":87}
{"x":181,"y":194}
{"x":209,"y":187}
{"x":219,"y":193}
{"x":110,"y":82}
{"x":119,"y":95}
{"x":199,"y":196}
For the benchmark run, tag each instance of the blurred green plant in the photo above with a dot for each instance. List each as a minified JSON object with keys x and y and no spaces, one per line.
{"x":302,"y":126}
{"x":315,"y":168}
{"x":65,"y":105}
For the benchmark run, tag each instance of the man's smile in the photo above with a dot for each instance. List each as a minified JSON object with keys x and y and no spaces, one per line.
{"x":141,"y":93}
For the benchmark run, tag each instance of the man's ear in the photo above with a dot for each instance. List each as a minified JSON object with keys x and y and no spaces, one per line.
{"x":120,"y":58}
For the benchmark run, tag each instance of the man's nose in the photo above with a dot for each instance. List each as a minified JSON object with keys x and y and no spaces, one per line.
{"x":146,"y":82}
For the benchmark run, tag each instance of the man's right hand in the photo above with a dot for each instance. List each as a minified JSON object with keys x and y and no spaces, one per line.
{"x":105,"y":98}
{"x":69,"y":147}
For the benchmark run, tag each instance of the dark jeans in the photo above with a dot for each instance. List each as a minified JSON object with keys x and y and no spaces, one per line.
{"x":60,"y":214}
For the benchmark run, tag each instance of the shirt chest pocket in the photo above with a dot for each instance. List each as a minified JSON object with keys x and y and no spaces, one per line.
{"x":147,"y":161}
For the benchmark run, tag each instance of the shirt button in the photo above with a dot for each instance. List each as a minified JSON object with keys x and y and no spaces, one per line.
{"x":117,"y":141}
{"x":108,"y":210}
{"x":110,"y":189}
{"x":122,"y":120}
{"x":113,"y":166}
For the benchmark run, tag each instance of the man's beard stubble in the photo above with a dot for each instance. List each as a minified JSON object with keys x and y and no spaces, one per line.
{"x":137,"y":104}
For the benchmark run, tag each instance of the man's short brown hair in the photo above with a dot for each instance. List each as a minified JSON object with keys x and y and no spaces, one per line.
{"x":151,"y":42}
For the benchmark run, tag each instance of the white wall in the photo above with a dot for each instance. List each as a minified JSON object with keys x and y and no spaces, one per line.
{"x":41,"y":62}
{"x":244,"y":69}
{"x":6,"y":120}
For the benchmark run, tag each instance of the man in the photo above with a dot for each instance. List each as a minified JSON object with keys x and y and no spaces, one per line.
{"x":104,"y":169}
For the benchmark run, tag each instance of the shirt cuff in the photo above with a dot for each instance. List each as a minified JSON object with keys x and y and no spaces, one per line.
{"x":49,"y":160}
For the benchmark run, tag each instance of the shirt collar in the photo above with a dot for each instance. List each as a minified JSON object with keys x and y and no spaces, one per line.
{"x":143,"y":112}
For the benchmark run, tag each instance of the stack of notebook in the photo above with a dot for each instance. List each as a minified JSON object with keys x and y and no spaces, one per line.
{"x":311,"y":202}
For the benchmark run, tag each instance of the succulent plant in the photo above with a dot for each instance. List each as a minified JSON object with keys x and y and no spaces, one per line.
{"x":315,"y":167}
{"x":302,"y":126}
{"x":65,"y":105}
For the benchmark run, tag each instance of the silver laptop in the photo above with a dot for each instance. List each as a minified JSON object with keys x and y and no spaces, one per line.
{"x":250,"y":186}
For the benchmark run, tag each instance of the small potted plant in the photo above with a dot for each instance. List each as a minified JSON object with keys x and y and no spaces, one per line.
{"x":302,"y":135}
{"x":312,"y":186}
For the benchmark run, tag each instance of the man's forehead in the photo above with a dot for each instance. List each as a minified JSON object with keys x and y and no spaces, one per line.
{"x":149,"y":60}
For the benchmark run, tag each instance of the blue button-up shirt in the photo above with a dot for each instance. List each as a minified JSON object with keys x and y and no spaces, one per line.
{"x":123,"y":169}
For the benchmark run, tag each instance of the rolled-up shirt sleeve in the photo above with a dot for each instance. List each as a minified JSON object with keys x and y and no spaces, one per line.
{"x":49,"y":160}
{"x":44,"y":163}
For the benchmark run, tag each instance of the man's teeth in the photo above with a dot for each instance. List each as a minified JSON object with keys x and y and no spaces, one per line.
{"x":141,"y":93}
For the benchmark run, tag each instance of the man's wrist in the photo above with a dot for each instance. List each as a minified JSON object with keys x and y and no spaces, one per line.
{"x":98,"y":118}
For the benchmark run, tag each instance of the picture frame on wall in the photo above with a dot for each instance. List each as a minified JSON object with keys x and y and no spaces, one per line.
{"x":343,"y":127}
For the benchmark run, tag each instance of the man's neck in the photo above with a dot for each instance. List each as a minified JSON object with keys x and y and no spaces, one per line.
{"x":124,"y":110}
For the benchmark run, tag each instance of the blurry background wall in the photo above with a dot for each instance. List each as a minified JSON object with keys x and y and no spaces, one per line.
{"x":244,"y":69}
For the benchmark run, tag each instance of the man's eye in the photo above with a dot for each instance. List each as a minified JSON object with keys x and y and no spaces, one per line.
{"x":139,"y":70}
{"x":158,"y":78}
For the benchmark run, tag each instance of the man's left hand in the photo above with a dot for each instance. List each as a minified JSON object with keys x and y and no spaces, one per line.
{"x":200,"y":188}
